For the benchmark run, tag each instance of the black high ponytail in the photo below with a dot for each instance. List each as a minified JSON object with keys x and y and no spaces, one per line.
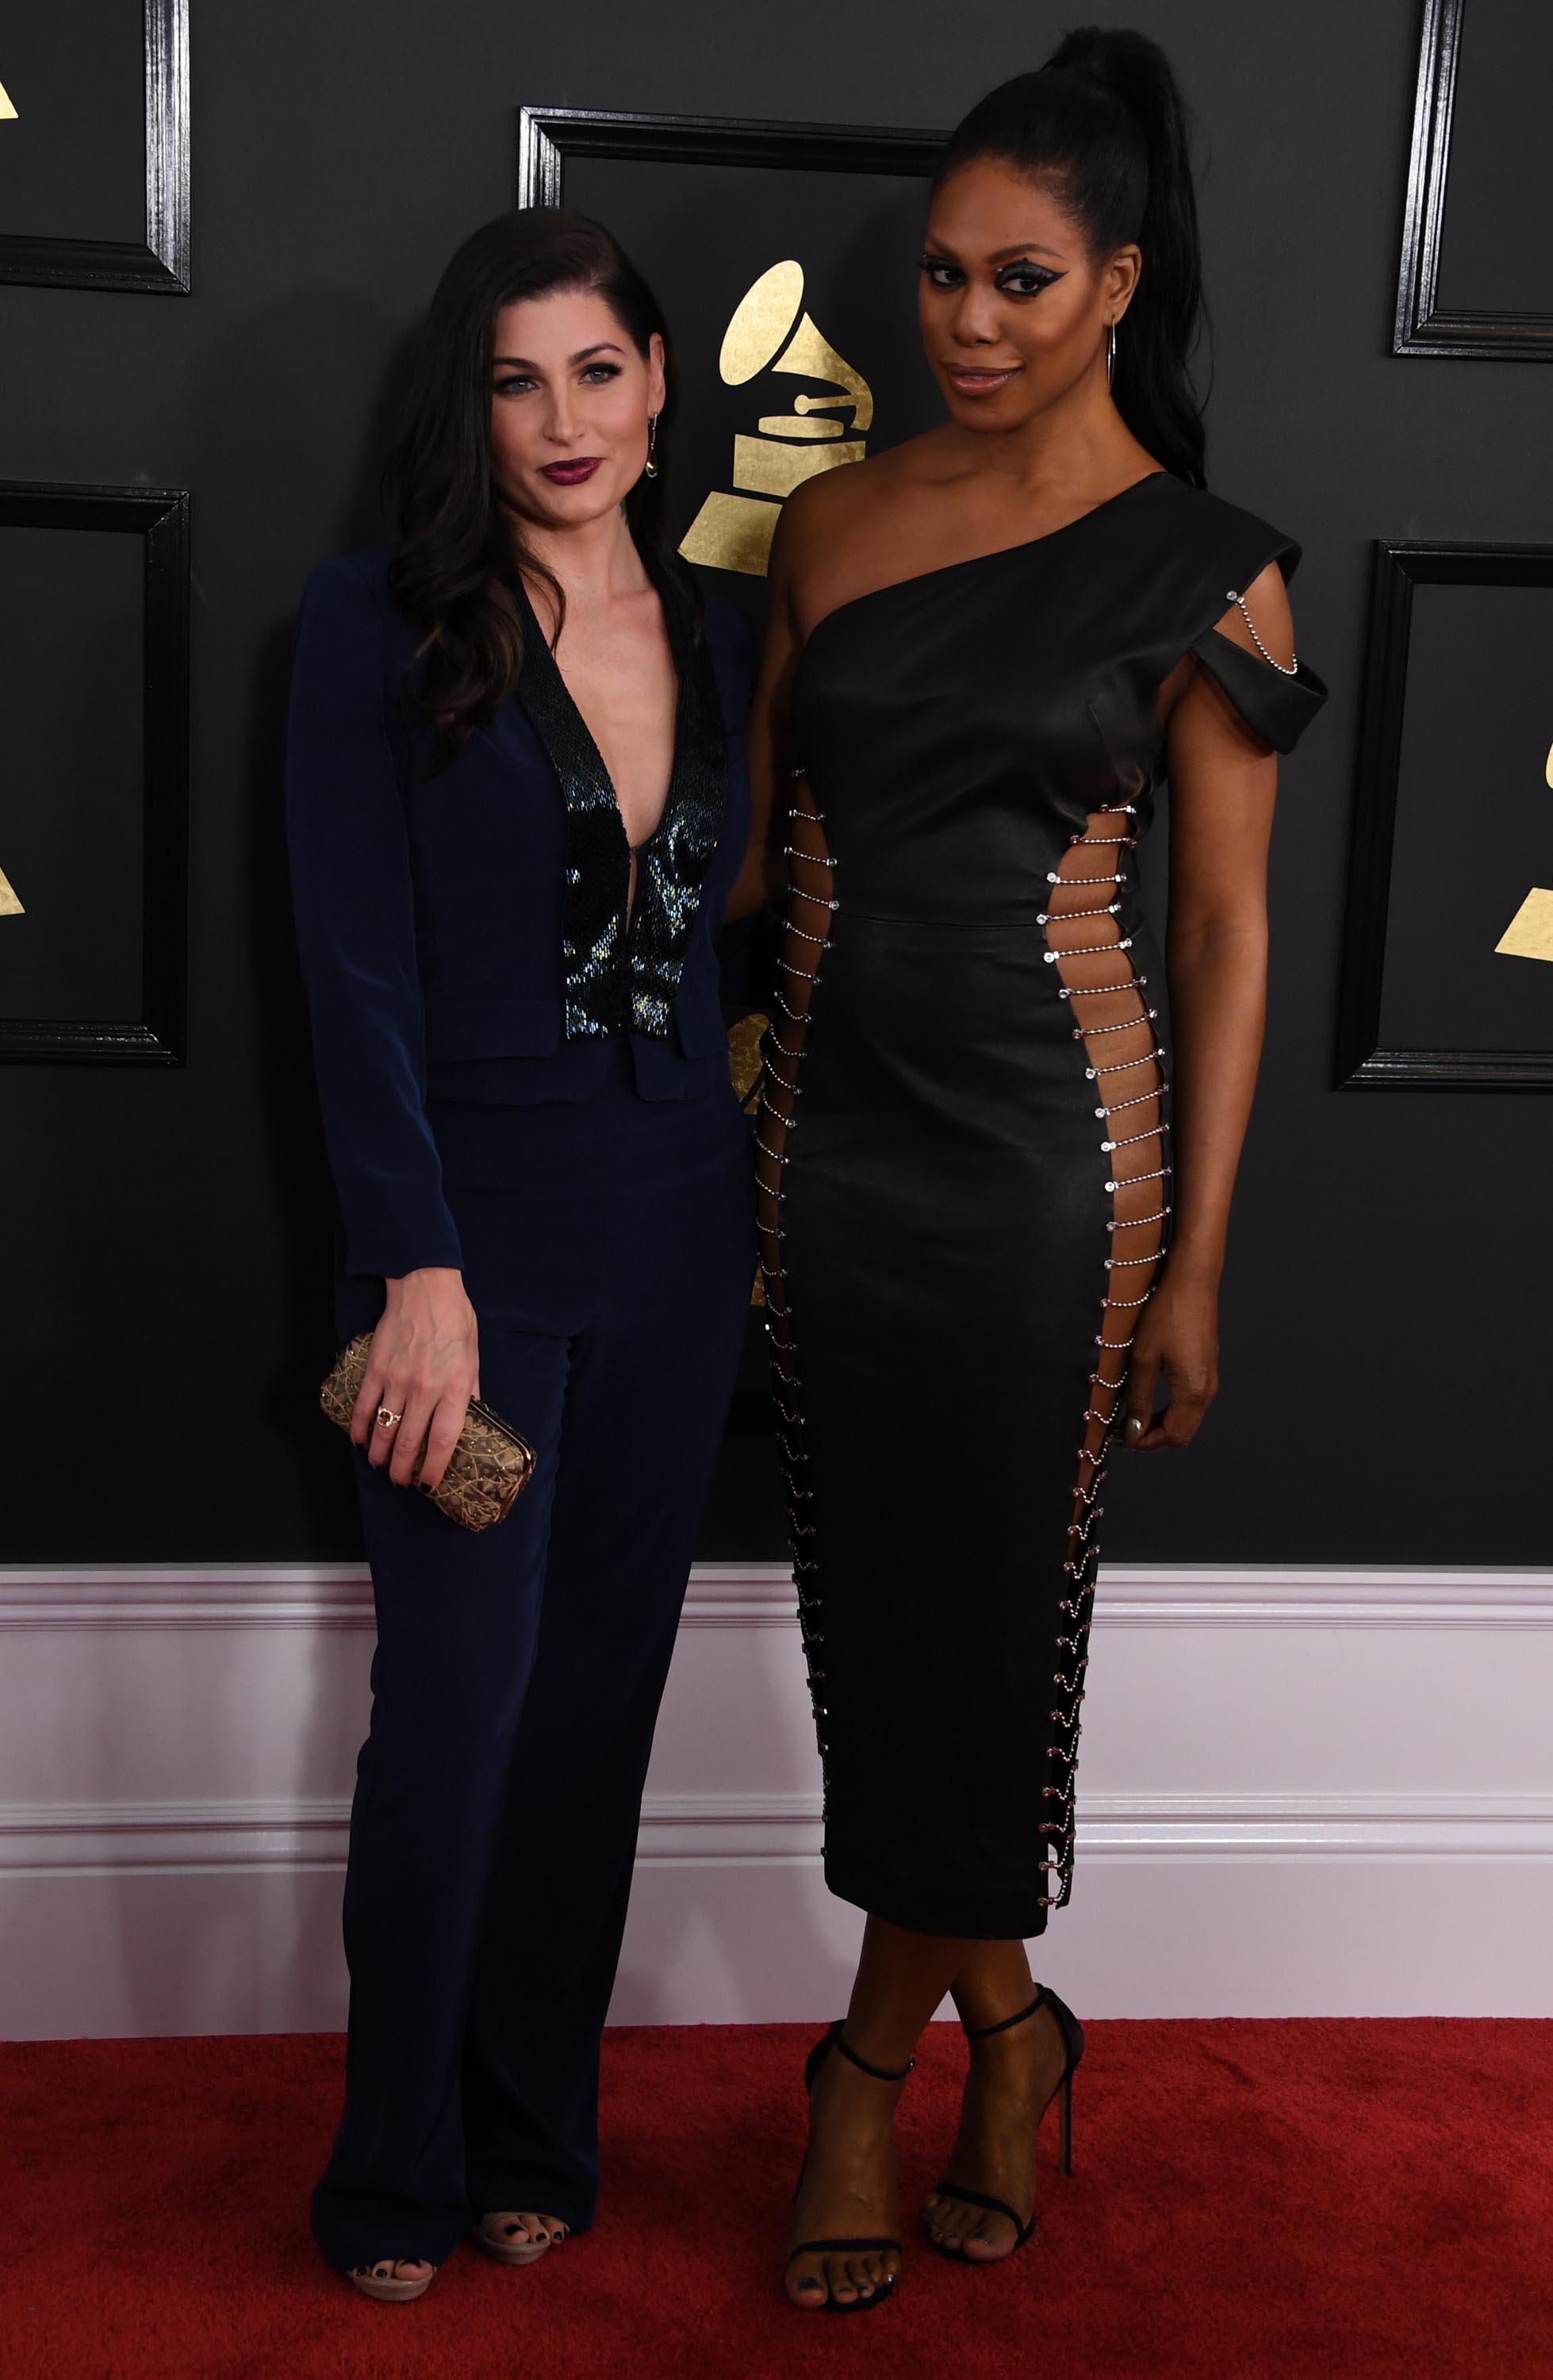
{"x":1103,"y":123}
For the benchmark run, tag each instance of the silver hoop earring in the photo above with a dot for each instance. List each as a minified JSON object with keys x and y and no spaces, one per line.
{"x":651,"y":465}
{"x":1110,"y":354}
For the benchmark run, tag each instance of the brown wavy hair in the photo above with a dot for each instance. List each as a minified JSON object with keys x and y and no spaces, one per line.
{"x":461,"y":545}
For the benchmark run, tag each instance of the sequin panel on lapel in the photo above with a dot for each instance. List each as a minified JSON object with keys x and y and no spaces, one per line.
{"x":597,"y":862}
{"x":672,"y":863}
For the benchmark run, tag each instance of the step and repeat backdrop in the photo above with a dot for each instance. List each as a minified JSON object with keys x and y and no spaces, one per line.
{"x":218,"y":230}
{"x":215,"y":241}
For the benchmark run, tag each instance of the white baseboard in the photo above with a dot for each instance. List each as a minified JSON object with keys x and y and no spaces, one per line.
{"x":120,"y":1838}
{"x":1351,"y":1814}
{"x":338,"y":1594}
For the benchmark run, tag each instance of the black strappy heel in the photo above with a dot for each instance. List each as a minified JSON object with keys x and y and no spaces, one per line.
{"x":1072,"y":2043}
{"x":832,"y":2038}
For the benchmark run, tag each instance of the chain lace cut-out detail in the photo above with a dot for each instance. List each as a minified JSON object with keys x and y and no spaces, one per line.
{"x":1291,"y":668}
{"x":810,"y":908}
{"x":1116,"y":1026}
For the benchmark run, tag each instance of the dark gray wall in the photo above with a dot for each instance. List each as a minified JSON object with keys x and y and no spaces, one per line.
{"x":164,"y":1301}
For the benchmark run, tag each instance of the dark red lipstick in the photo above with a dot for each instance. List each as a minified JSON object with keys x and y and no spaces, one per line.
{"x":572,"y":474}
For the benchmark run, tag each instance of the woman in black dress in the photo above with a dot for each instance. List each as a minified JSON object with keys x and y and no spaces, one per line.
{"x":988,"y":650}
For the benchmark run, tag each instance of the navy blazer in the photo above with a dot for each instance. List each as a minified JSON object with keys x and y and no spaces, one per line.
{"x":462,"y":929}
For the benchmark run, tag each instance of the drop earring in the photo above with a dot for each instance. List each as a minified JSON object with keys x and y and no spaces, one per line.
{"x":651,"y":465}
{"x":1110,"y":354}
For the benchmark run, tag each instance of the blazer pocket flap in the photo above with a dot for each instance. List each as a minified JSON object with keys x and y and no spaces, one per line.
{"x":493,"y":1028}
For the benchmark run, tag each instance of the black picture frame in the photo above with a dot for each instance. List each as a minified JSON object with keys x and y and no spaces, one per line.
{"x":1363,"y":1064}
{"x":1423,"y":327}
{"x":160,"y":518}
{"x":159,"y":265}
{"x":727,"y":527}
{"x":548,"y":135}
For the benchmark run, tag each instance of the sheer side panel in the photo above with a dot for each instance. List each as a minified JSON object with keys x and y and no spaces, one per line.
{"x":811,"y":906}
{"x":1108,"y":999}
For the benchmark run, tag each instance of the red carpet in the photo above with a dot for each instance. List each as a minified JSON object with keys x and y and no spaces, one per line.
{"x":1254,"y":2201}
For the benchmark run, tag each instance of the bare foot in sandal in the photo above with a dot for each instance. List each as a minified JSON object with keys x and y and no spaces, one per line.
{"x":392,"y":2280}
{"x":517,"y":2238}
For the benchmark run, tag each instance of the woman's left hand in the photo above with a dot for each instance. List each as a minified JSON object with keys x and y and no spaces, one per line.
{"x":1177,"y":1335}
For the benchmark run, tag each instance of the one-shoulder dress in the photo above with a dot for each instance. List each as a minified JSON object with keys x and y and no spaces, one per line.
{"x":963,"y":1155}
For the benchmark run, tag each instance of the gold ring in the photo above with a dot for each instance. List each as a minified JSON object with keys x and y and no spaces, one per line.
{"x":387,"y":1420}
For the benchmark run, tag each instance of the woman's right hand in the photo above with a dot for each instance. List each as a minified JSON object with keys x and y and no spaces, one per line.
{"x":424,"y":1366}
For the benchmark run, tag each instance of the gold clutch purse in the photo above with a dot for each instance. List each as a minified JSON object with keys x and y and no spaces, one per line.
{"x":488,"y":1469}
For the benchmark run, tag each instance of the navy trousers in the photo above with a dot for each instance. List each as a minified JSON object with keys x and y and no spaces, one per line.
{"x":609,"y":1251}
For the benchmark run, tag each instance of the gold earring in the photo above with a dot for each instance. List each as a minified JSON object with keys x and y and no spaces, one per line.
{"x":652,"y":446}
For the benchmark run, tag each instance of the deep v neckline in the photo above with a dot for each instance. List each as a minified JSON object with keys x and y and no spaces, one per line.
{"x":537,"y":652}
{"x":621,"y":958}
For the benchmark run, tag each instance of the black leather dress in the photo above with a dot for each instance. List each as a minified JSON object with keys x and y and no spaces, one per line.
{"x":964,"y":1170}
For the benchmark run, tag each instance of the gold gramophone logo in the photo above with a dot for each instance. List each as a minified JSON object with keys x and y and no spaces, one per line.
{"x":1529,"y":934}
{"x":771,"y":331}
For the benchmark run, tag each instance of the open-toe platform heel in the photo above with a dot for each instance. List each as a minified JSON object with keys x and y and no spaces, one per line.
{"x":390,"y":2289}
{"x":832,"y":2038}
{"x":1073,"y":2047}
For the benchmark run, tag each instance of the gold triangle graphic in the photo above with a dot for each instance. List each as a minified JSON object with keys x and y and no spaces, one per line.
{"x":6,"y":107}
{"x":9,"y":905}
{"x":1529,"y":934}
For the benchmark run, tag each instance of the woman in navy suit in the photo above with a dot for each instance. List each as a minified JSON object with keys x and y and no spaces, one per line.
{"x":517,"y":802}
